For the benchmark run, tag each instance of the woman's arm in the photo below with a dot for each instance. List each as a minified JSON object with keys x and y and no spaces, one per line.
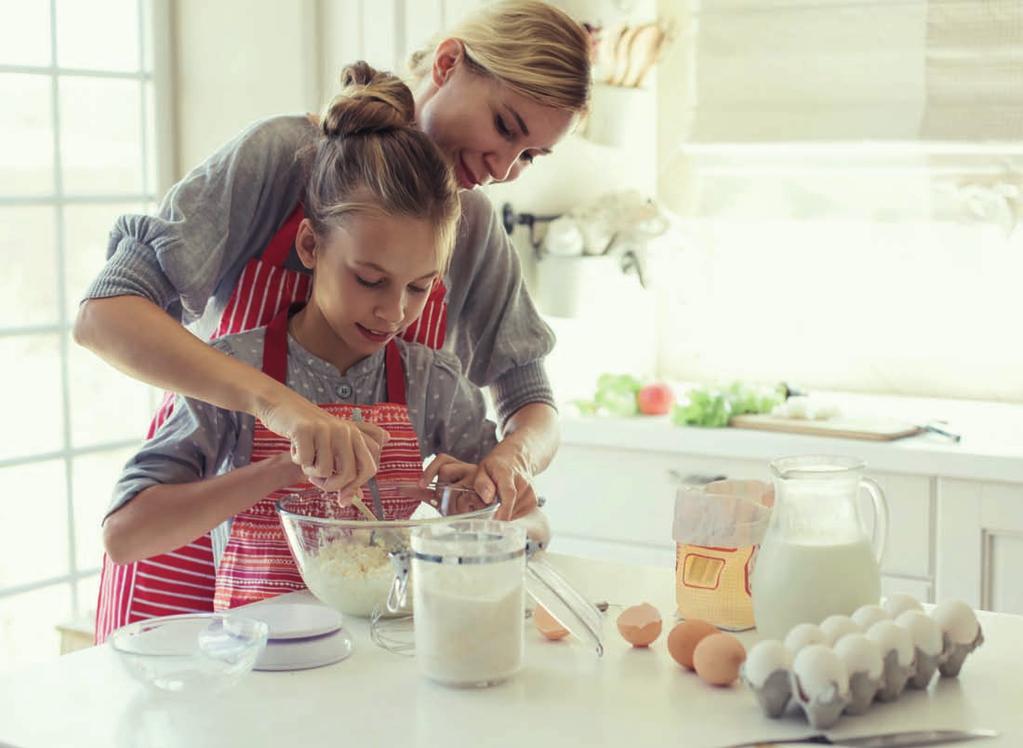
{"x":145,"y":342}
{"x":164,"y":517}
{"x":209,"y":225}
{"x":531,"y":438}
{"x":533,"y":432}
{"x":501,"y":340}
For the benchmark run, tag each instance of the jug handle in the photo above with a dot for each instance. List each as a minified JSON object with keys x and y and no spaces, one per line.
{"x":880,"y":540}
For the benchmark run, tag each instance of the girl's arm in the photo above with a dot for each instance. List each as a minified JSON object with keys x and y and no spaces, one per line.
{"x":164,"y":517}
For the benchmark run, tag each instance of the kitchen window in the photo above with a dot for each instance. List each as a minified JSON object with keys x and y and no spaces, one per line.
{"x":83,"y":122}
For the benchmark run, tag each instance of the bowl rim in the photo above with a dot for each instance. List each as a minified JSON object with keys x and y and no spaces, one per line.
{"x":482,"y":513}
{"x":128,"y":630}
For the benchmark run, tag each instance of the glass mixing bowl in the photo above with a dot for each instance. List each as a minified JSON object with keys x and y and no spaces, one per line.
{"x":190,"y":655}
{"x":345,"y":563}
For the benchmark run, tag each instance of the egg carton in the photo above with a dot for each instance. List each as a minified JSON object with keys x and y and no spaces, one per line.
{"x":846,"y":663}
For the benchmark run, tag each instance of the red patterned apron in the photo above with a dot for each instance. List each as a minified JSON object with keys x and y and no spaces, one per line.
{"x":257,"y":560}
{"x":183,"y":581}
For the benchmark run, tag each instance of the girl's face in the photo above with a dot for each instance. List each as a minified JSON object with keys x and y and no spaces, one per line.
{"x":372,"y":278}
{"x":488,"y":132}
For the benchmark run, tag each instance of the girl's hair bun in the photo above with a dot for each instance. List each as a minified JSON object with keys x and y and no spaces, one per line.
{"x":369,"y":102}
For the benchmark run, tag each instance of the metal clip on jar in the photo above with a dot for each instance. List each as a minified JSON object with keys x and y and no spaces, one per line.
{"x":469,"y":601}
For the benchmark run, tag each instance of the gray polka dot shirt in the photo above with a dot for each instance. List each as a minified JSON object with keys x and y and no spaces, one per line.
{"x":199,"y":440}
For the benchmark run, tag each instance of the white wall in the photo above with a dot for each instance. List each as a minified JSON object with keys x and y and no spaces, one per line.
{"x":237,"y":61}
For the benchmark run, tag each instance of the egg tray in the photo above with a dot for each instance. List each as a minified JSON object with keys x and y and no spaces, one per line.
{"x":830,"y":687}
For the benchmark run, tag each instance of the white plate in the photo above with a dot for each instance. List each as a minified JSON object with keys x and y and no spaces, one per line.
{"x":296,"y":620}
{"x":300,"y":654}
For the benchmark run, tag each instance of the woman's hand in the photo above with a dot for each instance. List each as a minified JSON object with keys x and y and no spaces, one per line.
{"x":334,"y":454}
{"x":504,"y":473}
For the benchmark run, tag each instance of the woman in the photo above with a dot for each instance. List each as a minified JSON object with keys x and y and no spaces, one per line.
{"x":497,"y":92}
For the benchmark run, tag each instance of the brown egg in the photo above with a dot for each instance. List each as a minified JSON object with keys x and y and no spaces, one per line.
{"x":547,"y":624}
{"x":640,"y":624}
{"x":685,"y":636}
{"x":717,"y":659}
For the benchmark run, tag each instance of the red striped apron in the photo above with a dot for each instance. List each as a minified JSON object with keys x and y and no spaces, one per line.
{"x":257,"y":560}
{"x":183,"y":581}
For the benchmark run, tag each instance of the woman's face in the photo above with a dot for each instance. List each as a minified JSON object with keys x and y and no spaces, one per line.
{"x":488,"y":132}
{"x":371,"y":278}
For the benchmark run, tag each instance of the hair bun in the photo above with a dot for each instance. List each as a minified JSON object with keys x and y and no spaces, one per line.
{"x":369,"y":102}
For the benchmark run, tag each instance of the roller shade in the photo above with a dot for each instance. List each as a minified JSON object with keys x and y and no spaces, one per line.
{"x":841,"y":70}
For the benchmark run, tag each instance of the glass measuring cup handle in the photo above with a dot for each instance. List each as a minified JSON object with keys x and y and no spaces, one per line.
{"x":880,"y":540}
{"x":397,"y":596}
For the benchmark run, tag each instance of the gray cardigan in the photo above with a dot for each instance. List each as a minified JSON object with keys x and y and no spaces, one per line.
{"x":187,"y":258}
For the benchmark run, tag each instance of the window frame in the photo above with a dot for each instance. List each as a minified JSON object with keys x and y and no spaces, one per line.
{"x":157,"y":138}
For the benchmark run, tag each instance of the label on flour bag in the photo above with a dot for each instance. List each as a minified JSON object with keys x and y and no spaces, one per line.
{"x":712,"y":584}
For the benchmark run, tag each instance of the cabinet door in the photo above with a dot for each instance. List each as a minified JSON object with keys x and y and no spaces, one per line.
{"x":624,"y":496}
{"x":980,"y":544}
{"x":917,"y":588}
{"x":605,"y":550}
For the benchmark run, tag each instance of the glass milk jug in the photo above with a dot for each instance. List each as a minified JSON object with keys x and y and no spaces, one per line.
{"x":469,"y":580}
{"x":816,"y":558}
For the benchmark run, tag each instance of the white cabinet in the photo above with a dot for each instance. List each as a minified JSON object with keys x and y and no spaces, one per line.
{"x":980,"y":544}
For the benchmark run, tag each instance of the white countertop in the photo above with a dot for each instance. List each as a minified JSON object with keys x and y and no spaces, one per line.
{"x":564,"y":696}
{"x":991,"y":448}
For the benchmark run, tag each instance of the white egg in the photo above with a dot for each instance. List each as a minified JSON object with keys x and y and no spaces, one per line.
{"x":835,"y":627}
{"x":892,"y":637}
{"x":798,"y":406}
{"x":958,"y":620}
{"x":803,"y":635}
{"x":764,"y":659}
{"x":867,"y":615}
{"x":860,"y":654}
{"x":897,"y":604}
{"x":925,"y":631}
{"x":818,"y":668}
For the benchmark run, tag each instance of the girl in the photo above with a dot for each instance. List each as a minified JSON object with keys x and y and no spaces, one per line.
{"x":381,"y":210}
{"x":495,"y":93}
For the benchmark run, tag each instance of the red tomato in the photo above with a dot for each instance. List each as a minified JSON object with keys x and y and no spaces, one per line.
{"x":655,"y":399}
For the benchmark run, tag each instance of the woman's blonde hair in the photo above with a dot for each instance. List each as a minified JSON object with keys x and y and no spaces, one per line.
{"x":534,"y":48}
{"x":373,"y":159}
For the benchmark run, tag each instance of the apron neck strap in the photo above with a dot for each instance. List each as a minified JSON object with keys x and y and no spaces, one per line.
{"x":275,"y":355}
{"x":279,"y":247}
{"x":275,"y":343}
{"x":395,"y":374}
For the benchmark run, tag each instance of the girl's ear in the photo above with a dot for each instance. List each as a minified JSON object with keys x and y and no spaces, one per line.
{"x":306,"y":244}
{"x":447,"y":57}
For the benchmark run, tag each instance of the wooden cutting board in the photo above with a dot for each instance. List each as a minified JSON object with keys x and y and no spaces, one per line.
{"x":872,"y":429}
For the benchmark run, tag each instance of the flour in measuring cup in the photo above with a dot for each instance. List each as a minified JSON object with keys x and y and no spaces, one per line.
{"x":469,"y":622}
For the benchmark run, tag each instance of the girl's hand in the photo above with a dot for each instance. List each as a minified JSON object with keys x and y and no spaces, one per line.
{"x":285,"y":472}
{"x":503,"y":473}
{"x":451,"y":471}
{"x":447,"y":469}
{"x":334,"y":454}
